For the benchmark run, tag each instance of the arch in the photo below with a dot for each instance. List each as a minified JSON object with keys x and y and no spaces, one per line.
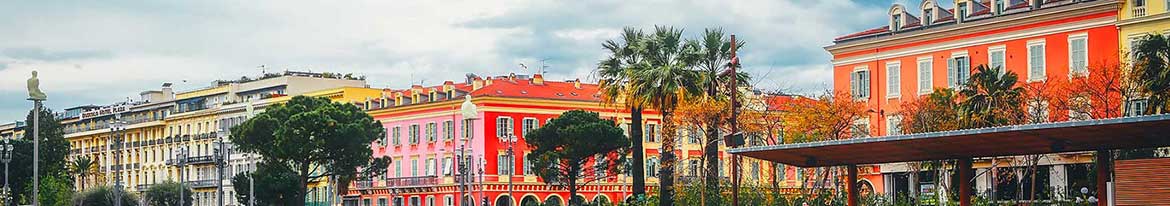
{"x":554,"y":200}
{"x":580,"y":196}
{"x":927,"y":4}
{"x":530,"y":200}
{"x":602,"y":198}
{"x":865,"y":187}
{"x":504,"y":200}
{"x":897,"y":9}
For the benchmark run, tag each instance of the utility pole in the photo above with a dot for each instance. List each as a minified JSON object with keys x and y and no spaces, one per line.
{"x":734,"y":124}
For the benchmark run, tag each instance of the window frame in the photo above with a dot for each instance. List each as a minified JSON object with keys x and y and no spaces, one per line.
{"x":432,"y":131}
{"x":502,"y":129}
{"x":861,"y":84}
{"x":957,"y":82}
{"x":524,"y":127}
{"x":413,"y":134}
{"x":929,"y":77}
{"x":448,"y":129}
{"x":1002,"y":50}
{"x":893,"y":79}
{"x":1072,"y":72}
{"x":1043,"y":64}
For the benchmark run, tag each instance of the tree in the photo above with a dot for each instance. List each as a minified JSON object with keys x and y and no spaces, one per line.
{"x":827,"y":117}
{"x":276,"y":184}
{"x":616,"y":71}
{"x":1151,"y":58}
{"x":54,"y":148}
{"x":103,"y":196}
{"x":938,"y":111}
{"x":83,"y":167}
{"x":990,"y":99}
{"x":167,"y":194}
{"x":714,"y":60}
{"x":316,"y":138}
{"x":563,"y":149}
{"x":666,"y":79}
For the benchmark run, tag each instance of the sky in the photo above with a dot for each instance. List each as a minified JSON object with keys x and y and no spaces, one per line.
{"x":99,"y":53}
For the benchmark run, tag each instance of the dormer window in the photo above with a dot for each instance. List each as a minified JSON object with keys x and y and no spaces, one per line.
{"x":896,"y":22}
{"x":927,"y":16}
{"x":962,"y":11}
{"x":999,"y":5}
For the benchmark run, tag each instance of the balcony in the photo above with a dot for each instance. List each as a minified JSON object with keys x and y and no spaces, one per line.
{"x":142,"y":187}
{"x":406,"y":182}
{"x":196,"y":184}
{"x":1138,"y":11}
{"x":206,"y":159}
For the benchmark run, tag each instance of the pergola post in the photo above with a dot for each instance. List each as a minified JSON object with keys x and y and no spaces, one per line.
{"x":1104,"y":158}
{"x":965,"y":176}
{"x":852,"y":185}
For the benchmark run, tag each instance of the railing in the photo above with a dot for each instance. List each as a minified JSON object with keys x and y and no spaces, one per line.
{"x":367,"y":184}
{"x":1139,"y":11}
{"x":412,"y":181}
{"x":201,"y":159}
{"x":201,"y":183}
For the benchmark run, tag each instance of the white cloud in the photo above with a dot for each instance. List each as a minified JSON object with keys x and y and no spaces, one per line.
{"x":101,"y":52}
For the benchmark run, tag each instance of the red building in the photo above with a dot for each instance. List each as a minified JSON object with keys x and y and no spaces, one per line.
{"x":928,"y":46}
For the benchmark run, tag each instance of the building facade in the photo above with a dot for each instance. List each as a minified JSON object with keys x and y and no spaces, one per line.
{"x":930,"y":46}
{"x":427,"y":134}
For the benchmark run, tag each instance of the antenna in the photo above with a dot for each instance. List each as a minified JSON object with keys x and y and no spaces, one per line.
{"x":524,"y":66}
{"x":543,"y":66}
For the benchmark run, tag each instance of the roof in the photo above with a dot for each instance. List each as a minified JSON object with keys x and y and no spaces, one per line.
{"x":1073,"y":136}
{"x":947,"y":15}
{"x":559,"y":90}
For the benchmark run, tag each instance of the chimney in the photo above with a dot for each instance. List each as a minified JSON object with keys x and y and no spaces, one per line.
{"x":577,"y":83}
{"x":512,"y":77}
{"x":537,"y":79}
{"x":476,"y":83}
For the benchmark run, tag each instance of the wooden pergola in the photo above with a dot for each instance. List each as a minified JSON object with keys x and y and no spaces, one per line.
{"x":963,"y":145}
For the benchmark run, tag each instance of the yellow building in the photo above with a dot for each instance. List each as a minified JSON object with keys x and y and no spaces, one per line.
{"x":1141,"y":17}
{"x":160,"y":124}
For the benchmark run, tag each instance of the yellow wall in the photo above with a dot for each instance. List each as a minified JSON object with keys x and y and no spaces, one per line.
{"x":1156,"y":20}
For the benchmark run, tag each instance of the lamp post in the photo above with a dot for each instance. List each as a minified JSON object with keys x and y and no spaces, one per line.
{"x":251,"y":181}
{"x":481,"y":196}
{"x":6,"y":157}
{"x":117,"y":135}
{"x":219,"y":158}
{"x":470,"y":114}
{"x":181,"y":160}
{"x":510,"y":140}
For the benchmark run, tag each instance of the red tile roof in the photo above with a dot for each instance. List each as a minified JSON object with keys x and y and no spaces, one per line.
{"x":525,"y":88}
{"x":865,"y":33}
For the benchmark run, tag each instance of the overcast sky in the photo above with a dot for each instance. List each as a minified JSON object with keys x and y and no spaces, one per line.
{"x":91,"y":52}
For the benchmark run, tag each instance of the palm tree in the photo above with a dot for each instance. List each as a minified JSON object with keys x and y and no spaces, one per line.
{"x":83,"y":167}
{"x":1151,"y":57}
{"x":990,"y":99}
{"x":713,"y":61}
{"x":615,"y":72}
{"x":666,"y":79}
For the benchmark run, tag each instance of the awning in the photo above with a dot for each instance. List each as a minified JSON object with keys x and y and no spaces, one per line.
{"x":1072,"y":136}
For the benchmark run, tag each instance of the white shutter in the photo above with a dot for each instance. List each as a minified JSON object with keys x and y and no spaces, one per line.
{"x":864,"y":84}
{"x":951,"y":72}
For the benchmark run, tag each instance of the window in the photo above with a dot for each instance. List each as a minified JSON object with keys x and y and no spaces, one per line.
{"x":693,"y":168}
{"x":893,"y":125}
{"x":693,"y":134}
{"x":414,"y":167}
{"x":530,"y":124}
{"x":1036,"y":67}
{"x":383,"y":202}
{"x":413,"y":134}
{"x":1078,"y":55}
{"x":430,"y":200}
{"x":958,"y":70}
{"x":446,"y":166}
{"x":1139,"y":8}
{"x":651,"y":133}
{"x":893,"y":79}
{"x":962,"y":11}
{"x":1135,"y":107}
{"x":431,"y":131}
{"x":467,"y":125}
{"x":430,"y":166}
{"x":860,"y":128}
{"x":397,"y":168}
{"x":652,"y":167}
{"x":504,"y":127}
{"x":1079,"y":108}
{"x":448,"y":130}
{"x":448,"y":200}
{"x":896,"y":22}
{"x":527,"y":165}
{"x":1000,"y":6}
{"x":503,"y":164}
{"x":926,"y":17}
{"x":924,"y":77}
{"x":599,"y":166}
{"x":859,"y":82}
{"x":1038,"y":111}
{"x":995,"y":56}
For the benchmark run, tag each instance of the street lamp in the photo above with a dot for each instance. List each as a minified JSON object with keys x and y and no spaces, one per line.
{"x":470,"y":114}
{"x":510,"y":140}
{"x":481,"y":196}
{"x":181,"y":160}
{"x":219,"y":154}
{"x":117,"y":135}
{"x":6,"y":157}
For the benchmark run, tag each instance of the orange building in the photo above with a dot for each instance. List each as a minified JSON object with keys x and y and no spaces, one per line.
{"x":928,"y":46}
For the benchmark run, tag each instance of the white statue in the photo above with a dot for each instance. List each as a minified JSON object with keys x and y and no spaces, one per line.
{"x":34,"y":88}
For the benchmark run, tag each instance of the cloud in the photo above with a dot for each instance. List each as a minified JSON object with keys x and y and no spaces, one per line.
{"x":103,"y":52}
